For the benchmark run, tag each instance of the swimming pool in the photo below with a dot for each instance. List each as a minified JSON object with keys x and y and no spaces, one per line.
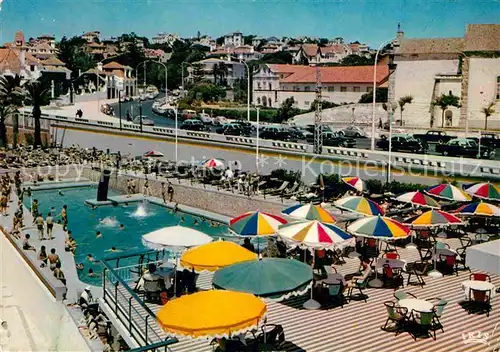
{"x":137,"y":218}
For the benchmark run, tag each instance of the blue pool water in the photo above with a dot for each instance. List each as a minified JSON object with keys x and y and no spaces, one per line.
{"x":138,"y":219}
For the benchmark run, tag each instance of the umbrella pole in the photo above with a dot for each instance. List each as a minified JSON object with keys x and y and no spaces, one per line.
{"x":175,"y":276}
{"x":376,"y":282}
{"x":411,"y":245}
{"x":434,"y":273}
{"x":311,"y":303}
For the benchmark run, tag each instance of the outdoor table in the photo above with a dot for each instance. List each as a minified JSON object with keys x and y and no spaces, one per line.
{"x":419,"y":305}
{"x":393,"y":263}
{"x":333,"y":279}
{"x":477,"y":285}
{"x":444,"y":251}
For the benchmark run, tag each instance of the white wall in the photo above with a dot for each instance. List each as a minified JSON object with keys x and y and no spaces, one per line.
{"x":446,"y":86}
{"x":483,"y":75}
{"x":416,"y":78}
{"x":36,"y":321}
{"x":304,"y":99}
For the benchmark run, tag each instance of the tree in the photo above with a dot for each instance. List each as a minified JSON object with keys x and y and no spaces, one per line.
{"x":286,"y":111}
{"x":324,"y":105}
{"x":381,"y":96}
{"x":488,"y":111}
{"x":10,"y":100}
{"x":207,"y":92}
{"x":407,"y":99}
{"x":73,"y":53}
{"x":220,"y":72}
{"x":279,"y":57}
{"x":323,"y":41}
{"x":444,"y":101}
{"x":36,"y":95}
{"x":356,"y":60}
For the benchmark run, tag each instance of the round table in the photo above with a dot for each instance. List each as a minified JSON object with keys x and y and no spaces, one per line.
{"x":478,"y":285}
{"x":333,"y":279}
{"x":419,"y":305}
{"x":393,"y":263}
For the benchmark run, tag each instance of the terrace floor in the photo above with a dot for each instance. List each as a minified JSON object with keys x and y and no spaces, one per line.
{"x":356,"y":326}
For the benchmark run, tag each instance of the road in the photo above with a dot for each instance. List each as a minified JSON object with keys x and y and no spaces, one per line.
{"x":133,"y":108}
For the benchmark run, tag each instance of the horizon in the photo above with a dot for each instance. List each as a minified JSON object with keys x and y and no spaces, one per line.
{"x":357,"y":20}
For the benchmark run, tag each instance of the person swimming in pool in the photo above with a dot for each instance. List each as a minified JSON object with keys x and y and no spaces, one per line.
{"x":98,"y":234}
{"x":80,"y":266}
{"x":91,"y":258}
{"x":182,"y":219}
{"x":122,"y":227}
{"x":93,"y":274}
{"x":60,"y":193}
{"x":113,"y":250}
{"x":195,"y":222}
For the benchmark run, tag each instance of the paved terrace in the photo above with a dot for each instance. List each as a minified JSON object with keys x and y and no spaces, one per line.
{"x":356,"y":327}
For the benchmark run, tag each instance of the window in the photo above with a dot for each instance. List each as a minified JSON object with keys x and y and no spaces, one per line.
{"x":258,"y":100}
{"x":307,"y":103}
{"x":32,"y":68}
{"x":296,"y":88}
{"x":356,"y":89}
{"x":258,"y":85}
{"x":307,"y":89}
{"x":343,"y":89}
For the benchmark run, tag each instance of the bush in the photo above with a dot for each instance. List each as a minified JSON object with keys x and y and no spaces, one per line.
{"x":286,"y":175}
{"x":29,"y":139}
{"x":400,"y":187}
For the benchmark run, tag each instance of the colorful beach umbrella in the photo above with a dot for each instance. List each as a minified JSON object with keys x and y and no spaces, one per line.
{"x":310,"y":212}
{"x":273,"y":278}
{"x":176,"y":238}
{"x":256,"y":223}
{"x":484,"y":190}
{"x":356,"y":183}
{"x":419,"y":199}
{"x":433,"y":218}
{"x":213,"y":163}
{"x":313,"y":234}
{"x":379,"y":227}
{"x":478,"y":209}
{"x":215,"y":255}
{"x":153,"y":154}
{"x":212,"y":314}
{"x":359,"y":205}
{"x":449,"y":192}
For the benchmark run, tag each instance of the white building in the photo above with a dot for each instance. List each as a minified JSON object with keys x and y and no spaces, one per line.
{"x":165,"y":38}
{"x":91,"y":37}
{"x":234,"y":70}
{"x":234,"y":39}
{"x":331,"y":53}
{"x":467,"y":67}
{"x":273,"y":83}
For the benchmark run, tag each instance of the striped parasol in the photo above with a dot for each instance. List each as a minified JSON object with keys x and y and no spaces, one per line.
{"x":484,"y":190}
{"x":313,"y":234}
{"x":418,"y":198}
{"x":379,"y":227}
{"x":359,"y":205}
{"x":356,"y":183}
{"x":309,"y":212}
{"x":449,"y":192}
{"x":478,"y":209}
{"x":213,"y":163}
{"x":256,"y":223}
{"x":433,"y":218}
{"x":153,"y":154}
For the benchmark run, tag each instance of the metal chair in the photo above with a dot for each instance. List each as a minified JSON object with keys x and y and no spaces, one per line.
{"x":399,"y":295}
{"x":479,"y":277}
{"x":397,"y":315}
{"x":424,"y":322}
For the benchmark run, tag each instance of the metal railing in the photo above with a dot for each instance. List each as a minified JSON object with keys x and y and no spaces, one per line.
{"x":140,"y":322}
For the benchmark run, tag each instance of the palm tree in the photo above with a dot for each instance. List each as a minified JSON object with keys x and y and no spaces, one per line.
{"x":444,"y":101}
{"x":220,"y":72}
{"x":488,"y":111}
{"x":37,"y":95}
{"x":407,"y":99}
{"x":10,"y":99}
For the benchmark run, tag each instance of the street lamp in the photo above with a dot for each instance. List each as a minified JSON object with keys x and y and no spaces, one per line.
{"x":248,"y":86}
{"x":120,"y":107}
{"x":257,"y":143}
{"x":390,"y":108}
{"x":157,"y":62}
{"x":176,"y":134}
{"x":374,"y":91}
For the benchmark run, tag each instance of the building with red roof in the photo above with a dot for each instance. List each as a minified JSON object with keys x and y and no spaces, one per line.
{"x":274,"y":83}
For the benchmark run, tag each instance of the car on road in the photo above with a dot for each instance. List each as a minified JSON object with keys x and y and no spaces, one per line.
{"x":220,"y":120}
{"x":489,"y":139}
{"x":435,"y":136}
{"x":232,"y":129}
{"x":403,"y":143}
{"x":354,"y":131}
{"x":465,"y":147}
{"x":206,"y":118}
{"x":193,"y":125}
{"x":146,"y":121}
{"x":335,"y":139}
{"x":277,"y":134}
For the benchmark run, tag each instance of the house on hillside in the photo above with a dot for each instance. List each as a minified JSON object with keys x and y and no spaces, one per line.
{"x":232,"y":40}
{"x":234,"y":70}
{"x":467,"y":67}
{"x":92,"y":37}
{"x":272,"y":84}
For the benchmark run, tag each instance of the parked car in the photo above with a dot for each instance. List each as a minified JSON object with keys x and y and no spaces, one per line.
{"x":206,"y":118}
{"x":146,"y":121}
{"x":434,"y":136}
{"x":193,"y":125}
{"x":247,"y":126}
{"x":354,"y":131}
{"x":277,"y":133}
{"x":187,"y":114}
{"x":465,"y":147}
{"x":489,"y":139}
{"x":220,"y":120}
{"x":334,"y":139}
{"x":232,"y":129}
{"x":298,"y":133}
{"x":403,"y":143}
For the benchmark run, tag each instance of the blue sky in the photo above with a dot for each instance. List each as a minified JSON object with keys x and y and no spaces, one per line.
{"x":368,"y":21}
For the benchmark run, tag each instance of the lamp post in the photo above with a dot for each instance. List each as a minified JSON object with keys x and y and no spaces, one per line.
{"x":176,"y":134}
{"x":391,"y":108}
{"x":257,"y":143}
{"x":248,"y":86}
{"x":375,"y":64}
{"x":120,"y":107}
{"x":157,"y":62}
{"x":140,"y":115}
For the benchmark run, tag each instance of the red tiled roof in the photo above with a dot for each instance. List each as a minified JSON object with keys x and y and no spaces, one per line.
{"x":338,"y":74}
{"x":52,"y":61}
{"x":284,"y":68}
{"x":310,"y":49}
{"x":9,"y":60}
{"x":43,"y":45}
{"x":335,"y":48}
{"x":113,"y":65}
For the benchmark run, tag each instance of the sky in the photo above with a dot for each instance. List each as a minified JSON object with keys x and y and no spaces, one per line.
{"x":371,"y":22}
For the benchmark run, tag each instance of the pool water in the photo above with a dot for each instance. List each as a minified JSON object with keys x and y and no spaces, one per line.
{"x":138,"y":219}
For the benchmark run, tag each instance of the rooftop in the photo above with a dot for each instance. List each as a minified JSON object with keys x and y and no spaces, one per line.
{"x":431,"y":46}
{"x":482,"y":37}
